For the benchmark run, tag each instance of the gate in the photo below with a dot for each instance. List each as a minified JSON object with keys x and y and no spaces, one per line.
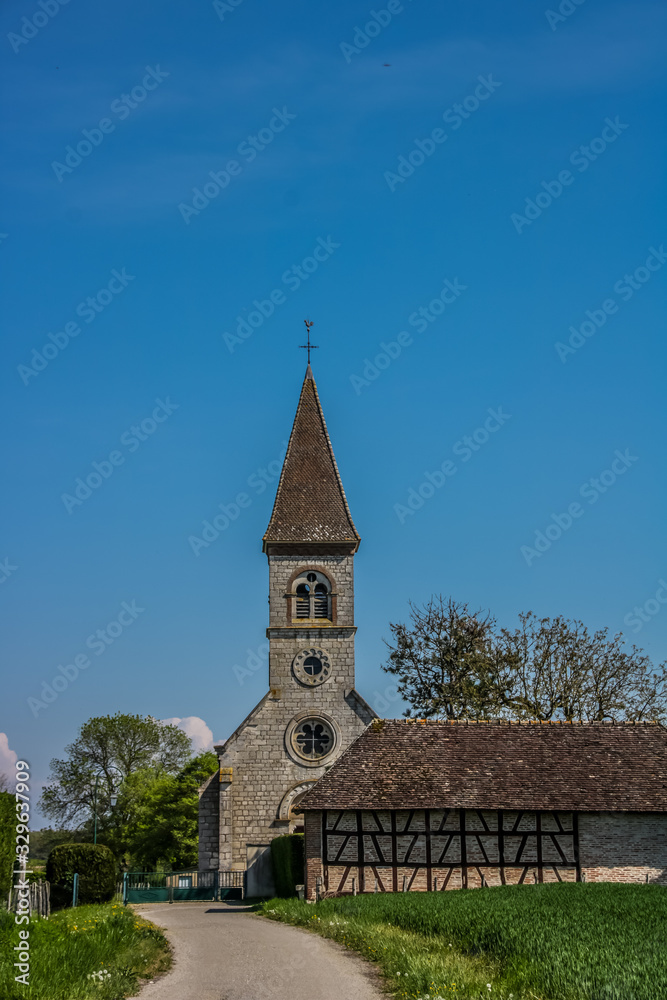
{"x":163,"y":887}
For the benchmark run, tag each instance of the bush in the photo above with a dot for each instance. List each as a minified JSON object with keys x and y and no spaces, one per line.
{"x":287,"y":859}
{"x":7,"y":843}
{"x":95,"y":865}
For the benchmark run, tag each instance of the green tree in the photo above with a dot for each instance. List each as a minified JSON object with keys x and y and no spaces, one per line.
{"x":43,"y":841}
{"x":454,"y":664}
{"x":562,"y":670}
{"x":164,"y":831}
{"x":446,"y":661}
{"x":113,"y":747}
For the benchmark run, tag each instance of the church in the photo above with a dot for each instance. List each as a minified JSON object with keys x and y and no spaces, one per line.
{"x":406,"y":805}
{"x":311,"y":712}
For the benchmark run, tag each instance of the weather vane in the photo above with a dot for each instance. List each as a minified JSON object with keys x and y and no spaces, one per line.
{"x":308,"y":347}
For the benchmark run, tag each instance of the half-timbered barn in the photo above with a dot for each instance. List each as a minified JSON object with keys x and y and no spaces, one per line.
{"x":415,"y":805}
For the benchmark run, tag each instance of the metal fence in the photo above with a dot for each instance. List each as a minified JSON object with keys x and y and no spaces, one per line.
{"x":162,"y":887}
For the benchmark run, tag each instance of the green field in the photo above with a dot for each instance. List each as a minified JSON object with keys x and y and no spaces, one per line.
{"x":91,"y":951}
{"x":550,"y":942}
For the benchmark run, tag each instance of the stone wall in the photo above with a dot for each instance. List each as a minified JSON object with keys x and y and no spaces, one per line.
{"x":241,"y":810}
{"x":313,"y":851}
{"x":263,"y":772}
{"x":339,"y":569}
{"x":209,"y":824}
{"x":623,"y":847}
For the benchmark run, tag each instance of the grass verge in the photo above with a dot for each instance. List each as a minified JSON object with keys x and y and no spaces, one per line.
{"x":533,"y":942}
{"x":98,"y":951}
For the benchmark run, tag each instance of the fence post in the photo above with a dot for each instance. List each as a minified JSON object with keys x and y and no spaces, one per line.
{"x":318,"y":888}
{"x":435,"y":884}
{"x":216,"y":885}
{"x":125,"y":878}
{"x":405,"y":883}
{"x":75,"y":890}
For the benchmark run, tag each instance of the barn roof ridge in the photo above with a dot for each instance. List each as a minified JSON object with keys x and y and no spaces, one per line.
{"x":527,"y":722}
{"x":478,"y":764}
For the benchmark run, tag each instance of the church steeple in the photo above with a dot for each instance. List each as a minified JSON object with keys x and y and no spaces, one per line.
{"x":310,"y":505}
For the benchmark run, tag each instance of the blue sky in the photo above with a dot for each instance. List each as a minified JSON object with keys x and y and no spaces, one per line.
{"x":539,"y":200}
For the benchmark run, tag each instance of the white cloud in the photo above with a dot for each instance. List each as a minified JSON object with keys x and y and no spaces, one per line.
{"x":7,"y":759}
{"x":196,"y":729}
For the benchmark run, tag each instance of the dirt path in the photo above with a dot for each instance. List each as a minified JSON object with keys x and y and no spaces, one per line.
{"x":227,"y":953}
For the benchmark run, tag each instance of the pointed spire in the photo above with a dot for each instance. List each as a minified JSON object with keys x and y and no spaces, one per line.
{"x":310,"y":504}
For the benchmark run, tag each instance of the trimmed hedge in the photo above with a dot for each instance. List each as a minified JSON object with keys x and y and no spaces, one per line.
{"x":95,"y":865}
{"x":8,"y":821}
{"x":287,"y":856}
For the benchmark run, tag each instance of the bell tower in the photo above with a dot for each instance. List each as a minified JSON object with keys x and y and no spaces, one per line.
{"x":310,"y":544}
{"x":311,"y":712}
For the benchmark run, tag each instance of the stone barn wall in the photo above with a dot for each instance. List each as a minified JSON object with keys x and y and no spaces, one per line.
{"x":623,"y":847}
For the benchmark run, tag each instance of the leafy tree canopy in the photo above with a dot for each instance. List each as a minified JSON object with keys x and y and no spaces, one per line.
{"x":108,"y":750}
{"x":454,"y":663}
{"x":164,"y":832}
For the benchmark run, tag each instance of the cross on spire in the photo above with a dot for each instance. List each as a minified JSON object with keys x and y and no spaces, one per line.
{"x":308,"y":347}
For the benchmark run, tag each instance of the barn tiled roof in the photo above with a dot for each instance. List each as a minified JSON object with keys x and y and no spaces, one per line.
{"x":591,"y":767}
{"x":310,"y":503}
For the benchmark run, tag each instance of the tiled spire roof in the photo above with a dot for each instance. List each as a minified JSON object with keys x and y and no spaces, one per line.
{"x":310,"y":503}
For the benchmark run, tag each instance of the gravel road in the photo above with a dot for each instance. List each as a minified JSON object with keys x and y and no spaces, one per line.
{"x":225,"y":952}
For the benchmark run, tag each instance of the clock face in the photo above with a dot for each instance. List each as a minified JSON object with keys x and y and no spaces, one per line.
{"x":311,"y":667}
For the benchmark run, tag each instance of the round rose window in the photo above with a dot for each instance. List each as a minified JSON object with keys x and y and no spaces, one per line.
{"x":312,"y":739}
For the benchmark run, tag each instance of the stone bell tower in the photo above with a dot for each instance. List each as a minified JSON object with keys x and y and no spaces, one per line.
{"x":311,"y":712}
